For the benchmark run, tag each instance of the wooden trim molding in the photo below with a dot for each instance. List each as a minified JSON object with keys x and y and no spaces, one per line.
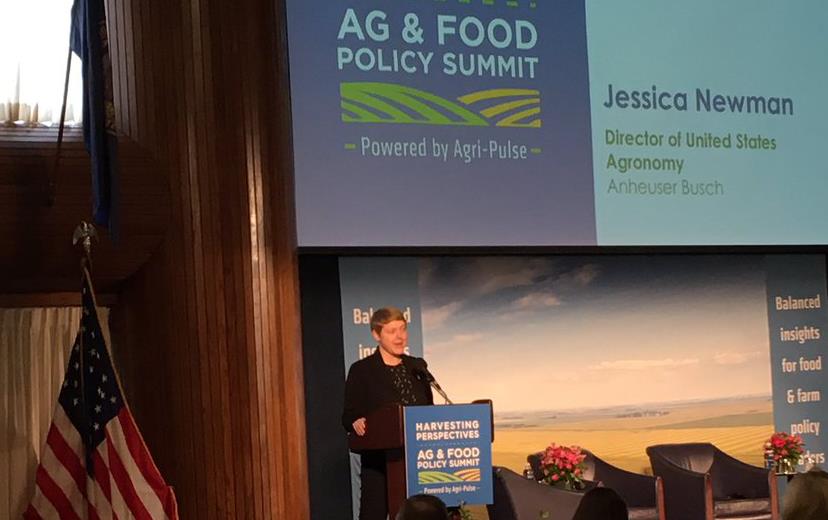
{"x":208,"y":331}
{"x":205,"y":326}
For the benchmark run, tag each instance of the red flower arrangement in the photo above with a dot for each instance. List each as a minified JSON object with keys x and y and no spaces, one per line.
{"x":785,"y":448}
{"x":563,"y":465}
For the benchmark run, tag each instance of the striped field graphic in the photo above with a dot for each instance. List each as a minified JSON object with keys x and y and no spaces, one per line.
{"x":369,"y":102}
{"x":440,"y":477}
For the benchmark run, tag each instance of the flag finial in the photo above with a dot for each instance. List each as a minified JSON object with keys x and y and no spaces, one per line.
{"x":84,"y":234}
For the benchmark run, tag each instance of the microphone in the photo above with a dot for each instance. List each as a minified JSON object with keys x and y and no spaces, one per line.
{"x":420,"y":369}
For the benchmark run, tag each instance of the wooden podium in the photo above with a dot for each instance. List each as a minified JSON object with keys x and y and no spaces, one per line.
{"x":386,"y":432}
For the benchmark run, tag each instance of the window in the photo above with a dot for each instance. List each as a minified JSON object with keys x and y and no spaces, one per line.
{"x":35,"y":41}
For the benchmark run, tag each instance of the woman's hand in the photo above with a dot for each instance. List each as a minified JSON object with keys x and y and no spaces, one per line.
{"x":360,"y":426}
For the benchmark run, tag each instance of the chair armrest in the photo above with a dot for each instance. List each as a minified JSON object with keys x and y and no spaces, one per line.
{"x":688,"y":495}
{"x":737,"y":465}
{"x":735,"y":479}
{"x":517,"y":498}
{"x":636,"y":490}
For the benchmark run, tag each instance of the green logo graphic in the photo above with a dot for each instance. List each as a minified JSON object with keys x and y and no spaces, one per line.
{"x":366,"y":102}
{"x":437,"y":477}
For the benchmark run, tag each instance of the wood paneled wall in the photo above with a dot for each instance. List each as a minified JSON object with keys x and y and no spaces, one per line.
{"x":36,"y":236}
{"x":207,"y":333}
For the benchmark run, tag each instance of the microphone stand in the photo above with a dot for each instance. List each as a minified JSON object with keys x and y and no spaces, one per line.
{"x":421,"y":371}
{"x":436,"y":386}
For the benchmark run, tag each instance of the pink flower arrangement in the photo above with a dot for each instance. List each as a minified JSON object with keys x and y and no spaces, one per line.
{"x":783,"y":446}
{"x":563,"y":465}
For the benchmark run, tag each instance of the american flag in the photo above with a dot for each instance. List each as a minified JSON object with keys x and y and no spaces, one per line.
{"x":95,"y":465}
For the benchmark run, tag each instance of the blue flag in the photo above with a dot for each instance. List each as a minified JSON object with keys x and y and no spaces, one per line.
{"x":90,"y":43}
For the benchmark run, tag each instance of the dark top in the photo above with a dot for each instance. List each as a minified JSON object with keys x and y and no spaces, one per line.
{"x":372,"y":384}
{"x":403,"y":383}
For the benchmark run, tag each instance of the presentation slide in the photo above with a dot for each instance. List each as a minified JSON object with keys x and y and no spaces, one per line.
{"x":707,"y":120}
{"x":531,"y":123}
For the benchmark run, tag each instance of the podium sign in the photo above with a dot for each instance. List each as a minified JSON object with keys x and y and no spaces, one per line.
{"x":448,"y":452}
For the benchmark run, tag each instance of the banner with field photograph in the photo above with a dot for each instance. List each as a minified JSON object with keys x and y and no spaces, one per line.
{"x":612,"y":353}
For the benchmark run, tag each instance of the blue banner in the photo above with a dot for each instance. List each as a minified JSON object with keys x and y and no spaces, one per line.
{"x":449,"y":452}
{"x":797,"y":322}
{"x":368,"y":284}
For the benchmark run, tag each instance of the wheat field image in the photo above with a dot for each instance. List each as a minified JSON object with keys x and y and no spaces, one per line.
{"x":737,"y":426}
{"x":612,"y":354}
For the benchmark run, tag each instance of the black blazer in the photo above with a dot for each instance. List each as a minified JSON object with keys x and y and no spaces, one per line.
{"x":369,"y":387}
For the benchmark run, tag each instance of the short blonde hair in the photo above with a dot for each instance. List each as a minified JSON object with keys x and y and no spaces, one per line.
{"x":385,"y":315}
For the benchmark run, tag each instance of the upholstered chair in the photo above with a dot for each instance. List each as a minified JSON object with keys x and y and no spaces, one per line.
{"x":701,"y":482}
{"x":643,"y":494}
{"x":517,"y":498}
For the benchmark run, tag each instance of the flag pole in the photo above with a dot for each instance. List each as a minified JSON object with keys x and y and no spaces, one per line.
{"x":83,"y":235}
{"x":53,"y":173}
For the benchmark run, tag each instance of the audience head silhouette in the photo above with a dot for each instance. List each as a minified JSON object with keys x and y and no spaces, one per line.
{"x":423,"y":507}
{"x":601,"y":504}
{"x":807,"y":497}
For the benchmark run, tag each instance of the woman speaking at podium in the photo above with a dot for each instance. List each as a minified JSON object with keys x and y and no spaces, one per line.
{"x":385,"y":377}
